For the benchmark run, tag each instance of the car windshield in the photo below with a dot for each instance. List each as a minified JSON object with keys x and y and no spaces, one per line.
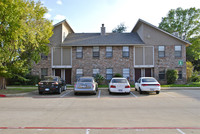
{"x":51,"y":78}
{"x":85,"y":80}
{"x":119,"y":81}
{"x":149,"y":80}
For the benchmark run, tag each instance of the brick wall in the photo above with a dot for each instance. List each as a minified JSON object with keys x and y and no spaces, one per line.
{"x":88,"y":63}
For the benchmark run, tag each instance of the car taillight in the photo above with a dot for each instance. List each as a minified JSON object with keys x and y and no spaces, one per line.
{"x":157,"y":84}
{"x":55,"y":83}
{"x":128,"y":86}
{"x":145,"y":84}
{"x":112,"y":86}
{"x":40,"y":83}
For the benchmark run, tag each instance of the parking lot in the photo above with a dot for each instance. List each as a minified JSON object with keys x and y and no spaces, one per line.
{"x":172,"y":111}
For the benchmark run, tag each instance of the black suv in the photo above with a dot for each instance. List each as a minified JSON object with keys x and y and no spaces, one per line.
{"x":51,"y":84}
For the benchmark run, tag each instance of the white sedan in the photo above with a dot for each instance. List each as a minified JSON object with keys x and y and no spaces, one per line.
{"x":119,"y":85}
{"x":149,"y":84}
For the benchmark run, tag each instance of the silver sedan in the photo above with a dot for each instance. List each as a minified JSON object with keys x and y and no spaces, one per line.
{"x":86,"y":85}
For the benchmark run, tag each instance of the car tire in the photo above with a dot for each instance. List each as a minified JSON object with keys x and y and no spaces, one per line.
{"x":40,"y":93}
{"x":60,"y":90}
{"x":75,"y":93}
{"x":135,"y":89}
{"x":157,"y":92}
{"x":140,"y":91}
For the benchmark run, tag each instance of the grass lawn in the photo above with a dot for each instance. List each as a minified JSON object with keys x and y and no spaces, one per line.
{"x":17,"y":89}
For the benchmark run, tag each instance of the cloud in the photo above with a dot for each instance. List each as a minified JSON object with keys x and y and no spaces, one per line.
{"x":59,"y":17}
{"x":59,"y":2}
{"x":47,"y":15}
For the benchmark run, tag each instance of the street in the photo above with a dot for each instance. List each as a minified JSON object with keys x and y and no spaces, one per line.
{"x":172,"y":111}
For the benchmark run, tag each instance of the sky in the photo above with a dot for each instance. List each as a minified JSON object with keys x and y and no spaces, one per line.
{"x":87,"y":16}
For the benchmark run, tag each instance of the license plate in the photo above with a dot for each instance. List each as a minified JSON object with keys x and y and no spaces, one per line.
{"x":46,"y":89}
{"x":120,"y":90}
{"x":152,"y":89}
{"x":83,"y":86}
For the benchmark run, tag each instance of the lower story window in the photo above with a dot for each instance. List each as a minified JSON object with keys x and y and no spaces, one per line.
{"x":162,"y":75}
{"x":180,"y":75}
{"x":44,"y":72}
{"x":126,"y":72}
{"x":109,"y":74}
{"x":79,"y":73}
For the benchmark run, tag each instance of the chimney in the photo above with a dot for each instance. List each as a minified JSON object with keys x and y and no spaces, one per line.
{"x":103,"y":30}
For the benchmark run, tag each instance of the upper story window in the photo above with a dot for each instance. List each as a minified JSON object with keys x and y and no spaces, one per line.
{"x":79,"y":52}
{"x":161,"y":51}
{"x":109,"y":52}
{"x":96,"y":52}
{"x":125,"y":52}
{"x":178,"y":51}
{"x":44,"y":57}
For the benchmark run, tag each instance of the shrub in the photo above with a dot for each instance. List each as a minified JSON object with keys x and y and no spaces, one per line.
{"x":172,"y":76}
{"x":189,"y":70}
{"x":99,"y":78}
{"x":195,"y":77}
{"x":117,"y":75}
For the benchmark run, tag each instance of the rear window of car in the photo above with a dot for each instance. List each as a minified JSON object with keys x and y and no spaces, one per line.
{"x":51,"y":78}
{"x":148,"y":80}
{"x":85,"y":80}
{"x":119,"y":81}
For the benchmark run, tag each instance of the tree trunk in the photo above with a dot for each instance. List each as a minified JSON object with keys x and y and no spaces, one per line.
{"x":2,"y":83}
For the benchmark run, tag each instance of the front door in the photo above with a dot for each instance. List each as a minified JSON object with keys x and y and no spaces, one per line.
{"x":147,"y":72}
{"x":68,"y":73}
{"x":58,"y":72}
{"x":137,"y":73}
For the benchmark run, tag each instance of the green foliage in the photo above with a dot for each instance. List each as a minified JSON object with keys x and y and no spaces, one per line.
{"x":172,"y":76}
{"x":24,"y":34}
{"x":27,"y":80}
{"x":99,"y":78}
{"x":120,"y":28}
{"x":117,"y":75}
{"x":189,"y":69}
{"x":184,"y":21}
{"x":195,"y":77}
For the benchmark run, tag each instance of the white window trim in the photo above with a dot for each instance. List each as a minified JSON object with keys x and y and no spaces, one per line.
{"x":140,"y":66}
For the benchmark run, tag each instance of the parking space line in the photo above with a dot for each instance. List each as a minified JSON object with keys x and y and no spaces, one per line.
{"x":133,"y":94}
{"x":87,"y":131}
{"x":180,"y":131}
{"x":66,"y":93}
{"x":99,"y":94}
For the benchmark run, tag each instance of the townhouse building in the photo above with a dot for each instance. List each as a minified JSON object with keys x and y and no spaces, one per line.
{"x":145,"y":51}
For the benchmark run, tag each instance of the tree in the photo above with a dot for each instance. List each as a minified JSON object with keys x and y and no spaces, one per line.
{"x":185,"y":22}
{"x":120,"y":28}
{"x":24,"y":34}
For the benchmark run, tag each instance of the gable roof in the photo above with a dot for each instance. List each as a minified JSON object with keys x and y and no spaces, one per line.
{"x":91,"y":39}
{"x":140,"y":21}
{"x":64,"y":21}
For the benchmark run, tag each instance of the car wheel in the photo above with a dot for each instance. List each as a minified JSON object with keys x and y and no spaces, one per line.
{"x":135,"y":89}
{"x":60,"y":90}
{"x":157,"y":92}
{"x":140,"y":91}
{"x":75,"y":93}
{"x":95,"y":93}
{"x":40,"y":93}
